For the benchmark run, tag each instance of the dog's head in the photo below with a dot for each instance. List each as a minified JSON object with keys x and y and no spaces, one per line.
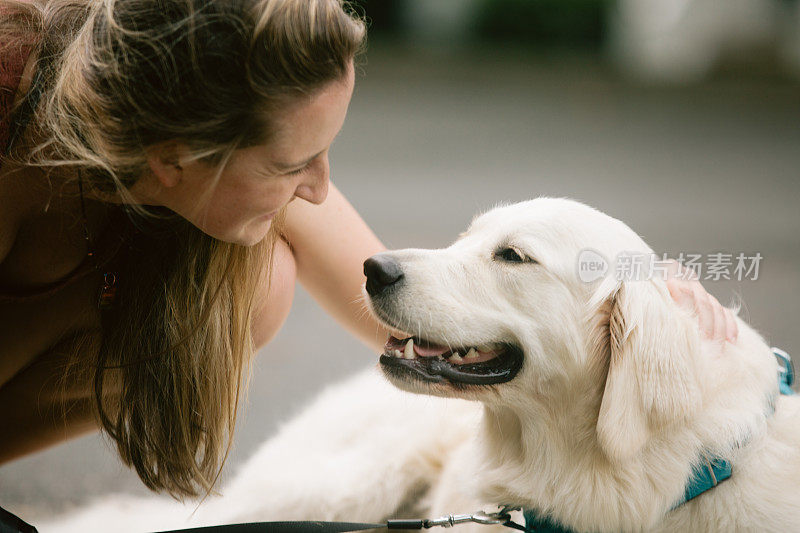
{"x":503,"y":316}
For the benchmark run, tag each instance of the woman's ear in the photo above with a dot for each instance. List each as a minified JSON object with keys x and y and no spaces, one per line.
{"x":652,"y":377}
{"x":164,"y":161}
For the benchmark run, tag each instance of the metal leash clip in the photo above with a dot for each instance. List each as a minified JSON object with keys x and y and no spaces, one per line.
{"x":502,"y":516}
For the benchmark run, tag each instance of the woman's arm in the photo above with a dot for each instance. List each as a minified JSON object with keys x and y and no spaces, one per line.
{"x":330,"y":243}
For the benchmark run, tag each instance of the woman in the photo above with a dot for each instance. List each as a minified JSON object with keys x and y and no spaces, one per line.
{"x":149,"y":240}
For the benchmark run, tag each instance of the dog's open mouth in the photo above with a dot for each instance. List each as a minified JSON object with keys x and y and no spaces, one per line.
{"x":482,"y":365}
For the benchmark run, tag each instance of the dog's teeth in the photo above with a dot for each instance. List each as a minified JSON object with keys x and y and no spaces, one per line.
{"x":409,"y":351}
{"x":439,"y":356}
{"x":455,"y":357}
{"x":484,"y":348}
{"x":471,"y":354}
{"x":398,"y":353}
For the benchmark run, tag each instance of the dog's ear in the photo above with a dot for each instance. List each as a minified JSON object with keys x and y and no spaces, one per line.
{"x":651,"y":380}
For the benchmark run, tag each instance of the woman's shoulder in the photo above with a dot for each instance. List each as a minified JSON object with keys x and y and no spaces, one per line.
{"x":24,"y":191}
{"x":10,"y":214}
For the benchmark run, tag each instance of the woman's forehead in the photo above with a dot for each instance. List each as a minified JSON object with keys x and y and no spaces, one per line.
{"x":308,"y":127}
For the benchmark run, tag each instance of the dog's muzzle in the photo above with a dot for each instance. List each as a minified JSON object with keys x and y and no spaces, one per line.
{"x":415,"y":358}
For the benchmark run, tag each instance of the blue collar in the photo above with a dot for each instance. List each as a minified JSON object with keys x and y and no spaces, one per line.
{"x":705,"y":476}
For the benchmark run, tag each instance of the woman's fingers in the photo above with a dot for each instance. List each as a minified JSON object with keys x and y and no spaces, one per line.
{"x":731,"y":327}
{"x":720,"y":324}
{"x":716,"y":322}
{"x":704,"y":308}
{"x":677,"y":270}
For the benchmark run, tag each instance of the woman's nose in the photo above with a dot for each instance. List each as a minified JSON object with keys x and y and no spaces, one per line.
{"x":314,"y":187}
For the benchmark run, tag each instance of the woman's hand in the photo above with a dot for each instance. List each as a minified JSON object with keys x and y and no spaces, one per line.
{"x":716,"y":322}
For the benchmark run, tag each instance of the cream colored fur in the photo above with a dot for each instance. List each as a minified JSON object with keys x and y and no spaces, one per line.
{"x":619,"y":395}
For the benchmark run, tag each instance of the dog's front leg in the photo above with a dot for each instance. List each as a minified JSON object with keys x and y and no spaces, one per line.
{"x":456,"y":491}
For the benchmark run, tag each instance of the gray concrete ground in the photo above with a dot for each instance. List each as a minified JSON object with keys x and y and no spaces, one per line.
{"x":431,"y":139}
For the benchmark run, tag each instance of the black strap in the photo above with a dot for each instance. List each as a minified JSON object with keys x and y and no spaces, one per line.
{"x":284,"y":527}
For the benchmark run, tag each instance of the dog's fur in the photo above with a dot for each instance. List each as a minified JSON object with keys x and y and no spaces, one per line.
{"x":619,"y":395}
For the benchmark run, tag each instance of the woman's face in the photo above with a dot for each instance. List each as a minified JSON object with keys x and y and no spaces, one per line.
{"x":257,"y":181}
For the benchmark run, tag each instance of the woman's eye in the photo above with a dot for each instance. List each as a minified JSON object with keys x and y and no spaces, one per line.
{"x":510,"y":255}
{"x":299,"y":170}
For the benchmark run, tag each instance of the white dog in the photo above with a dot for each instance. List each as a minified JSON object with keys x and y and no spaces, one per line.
{"x":589,"y":403}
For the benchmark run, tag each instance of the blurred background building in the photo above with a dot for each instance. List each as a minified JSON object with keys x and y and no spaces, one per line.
{"x":680,"y":117}
{"x":672,"y":41}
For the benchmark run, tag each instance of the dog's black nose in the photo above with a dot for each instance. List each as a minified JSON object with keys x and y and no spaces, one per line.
{"x":382,"y":271}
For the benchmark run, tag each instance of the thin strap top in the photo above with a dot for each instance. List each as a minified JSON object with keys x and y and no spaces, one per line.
{"x":13,"y":58}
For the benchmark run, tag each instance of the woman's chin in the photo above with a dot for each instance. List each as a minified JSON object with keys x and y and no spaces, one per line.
{"x":256,"y":232}
{"x":250,"y":235}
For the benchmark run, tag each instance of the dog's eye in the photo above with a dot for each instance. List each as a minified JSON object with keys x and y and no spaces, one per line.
{"x":510,"y":255}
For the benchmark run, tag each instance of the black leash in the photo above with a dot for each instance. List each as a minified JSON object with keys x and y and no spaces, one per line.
{"x":10,"y":523}
{"x":282,"y":527}
{"x":501,"y":517}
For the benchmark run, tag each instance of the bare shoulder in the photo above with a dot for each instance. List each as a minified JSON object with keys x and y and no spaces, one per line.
{"x":11,"y":211}
{"x":23,"y":192}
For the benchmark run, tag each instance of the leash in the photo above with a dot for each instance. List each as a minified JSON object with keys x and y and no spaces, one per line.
{"x":501,"y":517}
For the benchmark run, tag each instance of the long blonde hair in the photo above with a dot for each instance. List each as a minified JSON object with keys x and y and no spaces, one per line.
{"x":117,"y":76}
